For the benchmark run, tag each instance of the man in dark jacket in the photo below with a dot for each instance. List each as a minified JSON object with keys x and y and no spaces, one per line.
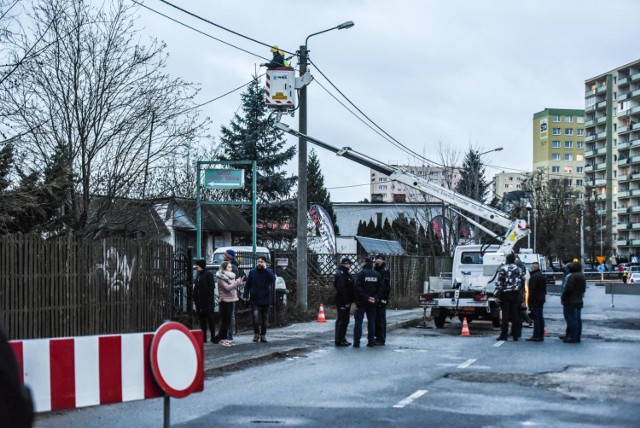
{"x":260,"y":281}
{"x":344,"y":285}
{"x":381,"y":307}
{"x":204,"y":300}
{"x":572,"y":301}
{"x":368,"y":285}
{"x":537,"y":293}
{"x":508,"y":285}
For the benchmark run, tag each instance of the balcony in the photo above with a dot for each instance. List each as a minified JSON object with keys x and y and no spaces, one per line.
{"x":589,"y":123}
{"x":601,"y":90}
{"x":601,"y":104}
{"x":634,"y":210}
{"x":589,"y":108}
{"x":635,"y":175}
{"x":635,"y":192}
{"x":623,"y":81}
{"x":623,"y":178}
{"x":622,"y":161}
{"x":634,"y":143}
{"x":635,"y":226}
{"x":634,"y":77}
{"x":588,"y":168}
{"x":635,"y":242}
{"x":625,"y":194}
{"x":601,"y":182}
{"x":602,"y":134}
{"x":622,"y":243}
{"x":623,"y":145}
{"x":592,"y":137}
{"x":635,"y":94}
{"x":601,"y":119}
{"x":634,"y":160}
{"x":599,"y":167}
{"x":623,"y":129}
{"x":621,"y":210}
{"x":624,"y":226}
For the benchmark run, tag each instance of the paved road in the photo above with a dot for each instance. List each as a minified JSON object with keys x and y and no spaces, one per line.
{"x":424,"y":376}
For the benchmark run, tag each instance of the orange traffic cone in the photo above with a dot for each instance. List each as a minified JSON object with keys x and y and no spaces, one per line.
{"x":321,"y":317}
{"x":465,"y":328}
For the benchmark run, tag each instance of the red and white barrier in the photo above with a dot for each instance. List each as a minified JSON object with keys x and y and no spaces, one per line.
{"x":86,"y":371}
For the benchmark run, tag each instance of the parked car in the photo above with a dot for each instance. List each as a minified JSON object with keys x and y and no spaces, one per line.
{"x":634,"y":275}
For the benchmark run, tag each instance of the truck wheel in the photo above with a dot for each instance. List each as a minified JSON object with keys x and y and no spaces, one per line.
{"x":440,"y":320}
{"x":495,"y":322}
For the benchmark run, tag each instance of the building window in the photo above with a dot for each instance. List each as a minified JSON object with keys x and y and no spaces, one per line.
{"x":382,"y":187}
{"x":382,"y":179}
{"x":568,"y":131}
{"x":555,"y":144}
{"x":580,"y":158}
{"x":567,"y":182}
{"x":568,"y":144}
{"x":579,"y":182}
{"x":555,"y":169}
{"x":555,"y":156}
{"x":579,"y":170}
{"x":556,"y":118}
{"x":568,"y":157}
{"x":580,"y":132}
{"x":580,"y":144}
{"x":568,"y":119}
{"x":580,"y":119}
{"x":556,"y":131}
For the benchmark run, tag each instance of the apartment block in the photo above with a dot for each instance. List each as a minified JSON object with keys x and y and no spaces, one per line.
{"x":507,"y":182}
{"x":612,"y":153}
{"x":559,"y":145}
{"x":383,"y":189}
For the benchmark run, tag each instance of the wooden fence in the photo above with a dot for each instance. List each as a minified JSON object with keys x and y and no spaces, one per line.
{"x":72,"y":287}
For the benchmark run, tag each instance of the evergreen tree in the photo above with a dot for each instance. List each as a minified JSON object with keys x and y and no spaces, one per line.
{"x":387,"y":231}
{"x":316,"y":192}
{"x":371,"y":229}
{"x":252,"y":136}
{"x":473,"y":182}
{"x":362,"y":228}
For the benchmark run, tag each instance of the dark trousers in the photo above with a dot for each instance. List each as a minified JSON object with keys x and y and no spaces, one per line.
{"x":226,"y":311}
{"x":538,"y":320}
{"x":370,"y":311}
{"x":572,"y":316}
{"x":381,"y":323}
{"x":510,"y":312}
{"x":205,"y":318}
{"x":342,"y":322}
{"x":259,"y":315}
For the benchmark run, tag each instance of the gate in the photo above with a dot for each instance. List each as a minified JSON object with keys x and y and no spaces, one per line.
{"x":182,"y":290}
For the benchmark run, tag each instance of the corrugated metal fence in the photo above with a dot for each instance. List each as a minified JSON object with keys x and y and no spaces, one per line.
{"x":71,"y":287}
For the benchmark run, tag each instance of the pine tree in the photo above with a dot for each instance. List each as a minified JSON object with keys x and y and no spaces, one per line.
{"x":252,"y":136}
{"x":316,"y":192}
{"x":473,"y":182}
{"x":362,"y":228}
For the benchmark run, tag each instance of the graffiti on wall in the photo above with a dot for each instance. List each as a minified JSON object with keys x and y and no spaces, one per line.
{"x":116,"y":269}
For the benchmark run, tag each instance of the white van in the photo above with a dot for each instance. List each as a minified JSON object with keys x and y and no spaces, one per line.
{"x":247,"y":261}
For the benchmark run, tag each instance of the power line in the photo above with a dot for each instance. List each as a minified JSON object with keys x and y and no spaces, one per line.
{"x":220,"y":26}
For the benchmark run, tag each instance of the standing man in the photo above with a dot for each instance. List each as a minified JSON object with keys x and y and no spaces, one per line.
{"x":508,"y":285}
{"x":368,"y":285}
{"x":381,"y":306}
{"x":537,"y":293}
{"x":344,"y":285}
{"x":204,"y":300}
{"x":260,"y":281}
{"x":572,"y":302}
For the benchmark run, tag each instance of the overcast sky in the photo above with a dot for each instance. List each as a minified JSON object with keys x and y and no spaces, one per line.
{"x":456,"y":72}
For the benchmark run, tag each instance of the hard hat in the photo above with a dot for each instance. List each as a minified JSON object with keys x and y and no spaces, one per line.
{"x":274,"y":49}
{"x":281,"y":52}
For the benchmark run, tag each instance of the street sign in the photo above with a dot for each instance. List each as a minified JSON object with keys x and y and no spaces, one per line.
{"x":600,"y":259}
{"x":176,"y":360}
{"x":224,"y":178}
{"x":282,"y":261}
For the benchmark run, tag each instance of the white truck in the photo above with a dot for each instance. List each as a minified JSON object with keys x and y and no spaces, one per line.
{"x":472,"y":292}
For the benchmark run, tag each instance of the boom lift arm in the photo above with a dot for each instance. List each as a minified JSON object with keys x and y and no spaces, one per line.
{"x":516,"y":228}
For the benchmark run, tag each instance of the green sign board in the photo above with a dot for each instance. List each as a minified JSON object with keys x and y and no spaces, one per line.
{"x":224,"y":178}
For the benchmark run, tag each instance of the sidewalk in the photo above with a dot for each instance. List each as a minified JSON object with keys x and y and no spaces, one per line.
{"x":285,"y":341}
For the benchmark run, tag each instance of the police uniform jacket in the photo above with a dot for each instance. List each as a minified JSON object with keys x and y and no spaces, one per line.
{"x":385,"y":289}
{"x":344,"y":285}
{"x":368,"y":284}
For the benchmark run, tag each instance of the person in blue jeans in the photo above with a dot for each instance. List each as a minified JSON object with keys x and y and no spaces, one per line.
{"x":368,"y":286}
{"x":257,"y":291}
{"x":572,"y":300}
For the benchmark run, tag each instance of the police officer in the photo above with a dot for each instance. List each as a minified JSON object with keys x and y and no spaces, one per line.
{"x":344,"y":285}
{"x":381,"y":306}
{"x":368,"y":285}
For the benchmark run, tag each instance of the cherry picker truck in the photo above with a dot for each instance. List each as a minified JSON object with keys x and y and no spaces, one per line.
{"x":470,"y":290}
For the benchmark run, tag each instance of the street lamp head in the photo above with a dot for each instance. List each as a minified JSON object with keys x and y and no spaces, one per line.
{"x":528,"y":206}
{"x":345,"y":25}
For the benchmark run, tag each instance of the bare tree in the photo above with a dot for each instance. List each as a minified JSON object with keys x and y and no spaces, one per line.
{"x":95,"y":92}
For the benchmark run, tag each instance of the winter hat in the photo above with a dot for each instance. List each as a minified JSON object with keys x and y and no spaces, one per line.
{"x":202,"y":263}
{"x":345,"y":260}
{"x":230,"y":253}
{"x":379,"y":256}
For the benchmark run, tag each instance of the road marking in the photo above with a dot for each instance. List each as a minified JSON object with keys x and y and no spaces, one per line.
{"x":467,"y":363}
{"x":499,"y":343}
{"x":410,"y":399}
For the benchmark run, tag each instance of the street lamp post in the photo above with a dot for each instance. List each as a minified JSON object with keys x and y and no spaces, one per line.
{"x":476,"y":171}
{"x":302,"y":175}
{"x":529,"y":207}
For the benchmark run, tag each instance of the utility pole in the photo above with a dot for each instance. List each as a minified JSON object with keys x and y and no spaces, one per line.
{"x":301,"y":249}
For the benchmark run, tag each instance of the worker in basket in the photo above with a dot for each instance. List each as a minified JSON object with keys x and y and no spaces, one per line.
{"x":278,"y":59}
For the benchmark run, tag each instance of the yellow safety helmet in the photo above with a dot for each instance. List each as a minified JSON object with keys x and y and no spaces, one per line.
{"x":274,"y":49}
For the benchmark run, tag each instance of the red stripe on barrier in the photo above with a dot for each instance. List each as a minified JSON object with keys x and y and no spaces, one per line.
{"x":151,"y":387}
{"x":198,"y":334}
{"x":17,"y":350}
{"x":110,"y":362}
{"x":63,"y":379}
